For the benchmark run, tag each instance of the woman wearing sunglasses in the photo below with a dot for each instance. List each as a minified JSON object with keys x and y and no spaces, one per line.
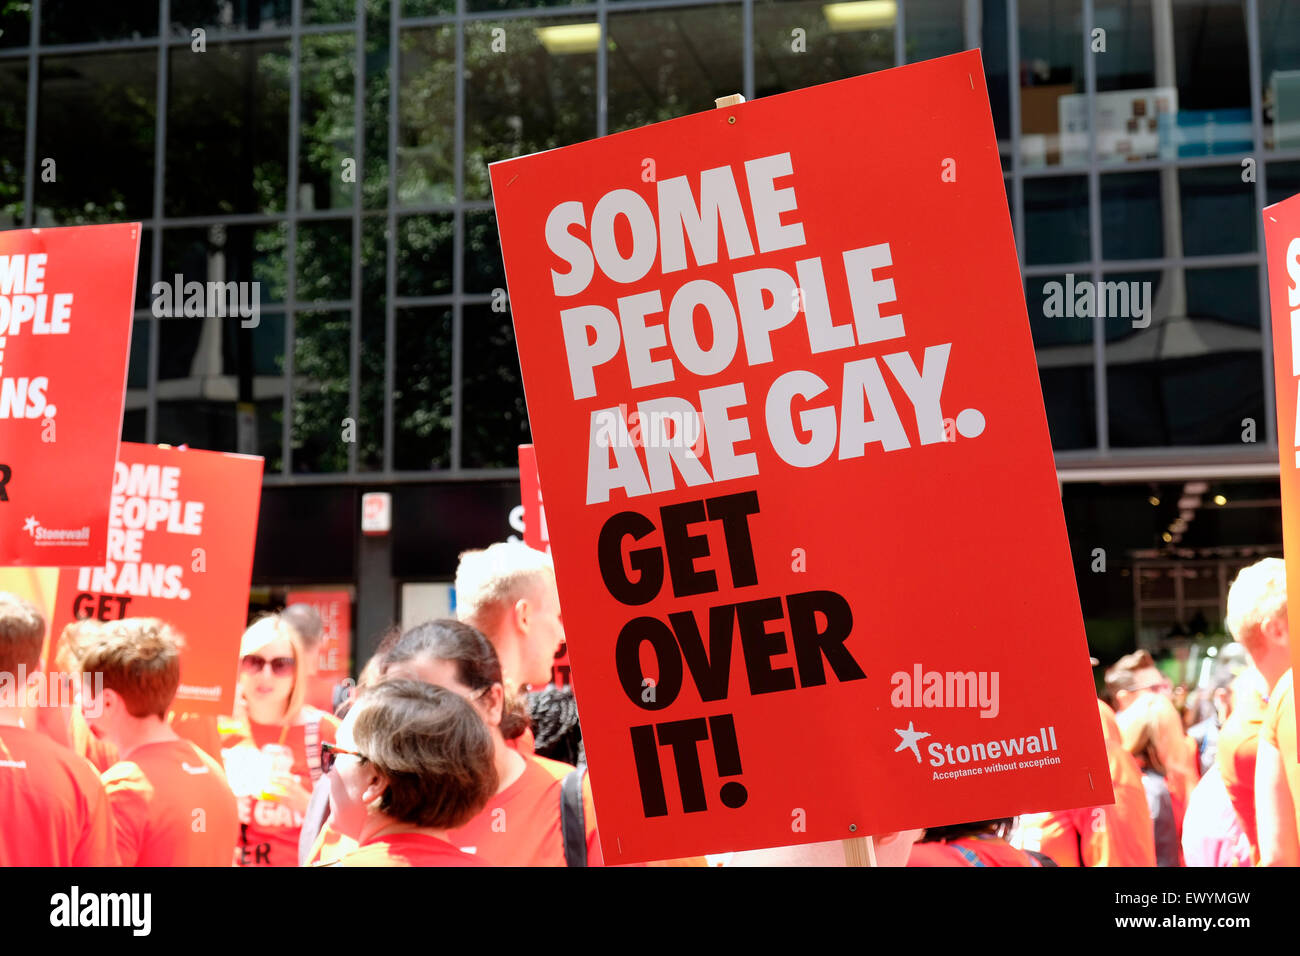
{"x":458,"y":657}
{"x":273,"y":756}
{"x":412,"y":762}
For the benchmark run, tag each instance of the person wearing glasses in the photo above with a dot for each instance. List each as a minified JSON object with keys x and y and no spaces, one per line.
{"x":546,"y":826}
{"x":1140,"y":690}
{"x":412,"y":762}
{"x":273,"y":756}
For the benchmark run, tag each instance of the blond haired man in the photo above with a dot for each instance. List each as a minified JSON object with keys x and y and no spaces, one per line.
{"x":508,"y":592}
{"x":1253,"y":769}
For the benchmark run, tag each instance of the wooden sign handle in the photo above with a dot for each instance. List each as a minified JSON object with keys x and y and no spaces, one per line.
{"x":859,"y":851}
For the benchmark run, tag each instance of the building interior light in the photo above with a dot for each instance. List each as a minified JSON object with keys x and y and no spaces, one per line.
{"x":1220,"y":500}
{"x":1154,"y":501}
{"x":860,"y":15}
{"x":570,"y":38}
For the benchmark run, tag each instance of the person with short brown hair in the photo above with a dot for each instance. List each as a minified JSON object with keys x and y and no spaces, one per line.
{"x":1132,"y":680}
{"x":171,"y":803}
{"x":1131,"y":675}
{"x":63,"y":722}
{"x":55,"y":811}
{"x":413,"y":761}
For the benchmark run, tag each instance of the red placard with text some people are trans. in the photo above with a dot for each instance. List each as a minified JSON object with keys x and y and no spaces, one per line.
{"x":65,"y":331}
{"x":799,"y":486}
{"x":1282,"y":242}
{"x":180,"y":547}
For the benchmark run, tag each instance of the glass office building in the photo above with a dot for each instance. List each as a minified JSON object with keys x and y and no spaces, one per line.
{"x":335,"y":153}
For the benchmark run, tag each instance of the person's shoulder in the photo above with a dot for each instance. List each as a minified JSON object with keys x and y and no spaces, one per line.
{"x":1283,"y":692}
{"x":194,"y":760}
{"x":386,"y":854}
{"x":1281,"y":701}
{"x":55,"y":757}
{"x":329,"y":724}
{"x":124,"y":775}
{"x":555,"y":769}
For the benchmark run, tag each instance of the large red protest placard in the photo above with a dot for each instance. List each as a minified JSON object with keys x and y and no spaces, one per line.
{"x":1282,"y":244}
{"x":180,"y":547}
{"x":65,"y":330}
{"x":799,"y":486}
{"x":334,"y":655}
{"x":536,"y":536}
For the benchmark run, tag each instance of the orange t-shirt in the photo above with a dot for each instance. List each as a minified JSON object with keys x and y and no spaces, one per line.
{"x":408,"y":849}
{"x":1120,"y":834}
{"x":970,"y":851}
{"x":1279,"y":730}
{"x":330,"y":846}
{"x":55,"y":811}
{"x":156,"y":795}
{"x":1238,"y":749}
{"x":269,"y":828}
{"x":520,"y":826}
{"x":202,"y":730}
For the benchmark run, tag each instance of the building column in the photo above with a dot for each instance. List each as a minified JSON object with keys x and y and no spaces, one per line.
{"x":376,"y":592}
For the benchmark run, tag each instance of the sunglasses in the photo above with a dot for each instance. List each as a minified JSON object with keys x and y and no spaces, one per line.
{"x":280,"y":666}
{"x":329,"y":753}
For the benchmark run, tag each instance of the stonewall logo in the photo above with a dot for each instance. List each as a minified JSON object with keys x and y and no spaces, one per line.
{"x":999,"y":755}
{"x":62,"y":536}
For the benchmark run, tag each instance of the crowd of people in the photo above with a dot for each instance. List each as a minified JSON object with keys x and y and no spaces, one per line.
{"x":439,"y":756}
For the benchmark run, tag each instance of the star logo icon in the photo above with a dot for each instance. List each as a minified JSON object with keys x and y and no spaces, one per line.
{"x":31,"y":524}
{"x":910,"y":737}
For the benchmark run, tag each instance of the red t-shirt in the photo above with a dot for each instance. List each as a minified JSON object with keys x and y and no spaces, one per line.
{"x":407,"y":849}
{"x":1236,"y":757}
{"x":520,"y":826}
{"x":53,"y":809}
{"x":1119,"y":834}
{"x":1279,"y":730}
{"x":970,"y":851}
{"x":157,"y":796}
{"x":269,"y":828}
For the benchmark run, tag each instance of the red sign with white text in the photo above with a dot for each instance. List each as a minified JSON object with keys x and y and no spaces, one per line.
{"x":800,"y":490}
{"x":536,"y":536}
{"x":333,"y":656}
{"x":180,"y":547}
{"x":66,"y":298}
{"x":1282,"y":242}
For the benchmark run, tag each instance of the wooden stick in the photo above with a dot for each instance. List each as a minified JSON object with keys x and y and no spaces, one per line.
{"x":733,"y":100}
{"x":859,"y":851}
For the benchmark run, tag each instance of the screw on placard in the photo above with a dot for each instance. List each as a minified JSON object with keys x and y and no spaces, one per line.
{"x":853,"y":828}
{"x":733,"y":100}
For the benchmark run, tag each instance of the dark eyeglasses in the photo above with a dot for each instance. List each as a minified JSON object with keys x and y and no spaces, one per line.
{"x":280,"y":666}
{"x":329,"y":753}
